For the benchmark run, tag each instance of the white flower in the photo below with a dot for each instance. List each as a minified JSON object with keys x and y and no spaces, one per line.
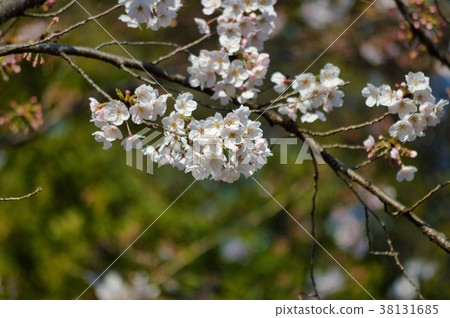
{"x":220,"y":61}
{"x":203,"y":27}
{"x":387,"y":96}
{"x":100,"y":137}
{"x":253,"y":131}
{"x":224,"y":92}
{"x":174,"y":123}
{"x":94,"y":105}
{"x":266,"y":21}
{"x":243,"y":112}
{"x":237,"y":73}
{"x":232,"y":122}
{"x":139,"y":112}
{"x":329,"y":76}
{"x":249,"y":5}
{"x":209,"y":6}
{"x":232,"y":45}
{"x":246,"y":26}
{"x":185,"y":104}
{"x":228,"y":30}
{"x":116,"y":113}
{"x":418,"y":122}
{"x":139,"y":10}
{"x":406,"y":173}
{"x":403,"y":130}
{"x":290,"y":111}
{"x":149,"y":105}
{"x":312,"y":117}
{"x":403,"y":108}
{"x":426,"y":109}
{"x":232,"y":137}
{"x":424,"y":95}
{"x":132,"y":142}
{"x":154,"y":13}
{"x":333,"y":99}
{"x":145,"y":93}
{"x":197,"y":129}
{"x":303,"y":83}
{"x":417,"y":81}
{"x":213,"y":125}
{"x":439,"y":108}
{"x":111,"y":132}
{"x":372,"y":94}
{"x":280,"y":82}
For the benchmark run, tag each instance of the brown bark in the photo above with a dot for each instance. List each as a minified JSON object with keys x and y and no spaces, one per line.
{"x":13,"y":8}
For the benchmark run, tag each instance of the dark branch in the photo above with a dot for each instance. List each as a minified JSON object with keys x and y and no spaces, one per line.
{"x":420,"y":34}
{"x":13,"y":8}
{"x":271,"y":116}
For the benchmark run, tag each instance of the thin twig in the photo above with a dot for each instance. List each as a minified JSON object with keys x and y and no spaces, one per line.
{"x":50,"y":14}
{"x":313,"y":227}
{"x":58,"y":34}
{"x":9,"y":27}
{"x":39,"y":189}
{"x":437,"y":237}
{"x":419,"y":202}
{"x":180,"y":49}
{"x":85,"y":76}
{"x":136,"y":43}
{"x":348,"y":128}
{"x":392,"y":252}
{"x":163,"y":129}
{"x":369,"y":161}
{"x":344,"y":146}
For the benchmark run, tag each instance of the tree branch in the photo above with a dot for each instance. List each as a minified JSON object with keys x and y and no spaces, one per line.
{"x":420,"y":34}
{"x":39,"y":189}
{"x":272,"y":117}
{"x":348,"y":128}
{"x":14,"y":8}
{"x":50,"y":14}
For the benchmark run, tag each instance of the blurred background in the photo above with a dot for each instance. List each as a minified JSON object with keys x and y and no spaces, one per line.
{"x":218,"y":241}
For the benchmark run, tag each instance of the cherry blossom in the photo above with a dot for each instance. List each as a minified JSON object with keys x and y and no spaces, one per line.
{"x":313,"y":94}
{"x":406,"y":173}
{"x":154,"y":13}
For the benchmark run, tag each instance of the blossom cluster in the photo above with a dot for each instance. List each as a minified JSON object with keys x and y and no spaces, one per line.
{"x":240,"y":74}
{"x":314,"y":93}
{"x":154,"y":13}
{"x":219,"y":147}
{"x":416,"y":108}
{"x":243,"y":27}
{"x":412,"y":101}
{"x":147,"y":104}
{"x":22,"y":117}
{"x":393,"y":151}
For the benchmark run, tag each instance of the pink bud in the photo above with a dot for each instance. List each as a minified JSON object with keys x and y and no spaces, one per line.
{"x":394,"y":154}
